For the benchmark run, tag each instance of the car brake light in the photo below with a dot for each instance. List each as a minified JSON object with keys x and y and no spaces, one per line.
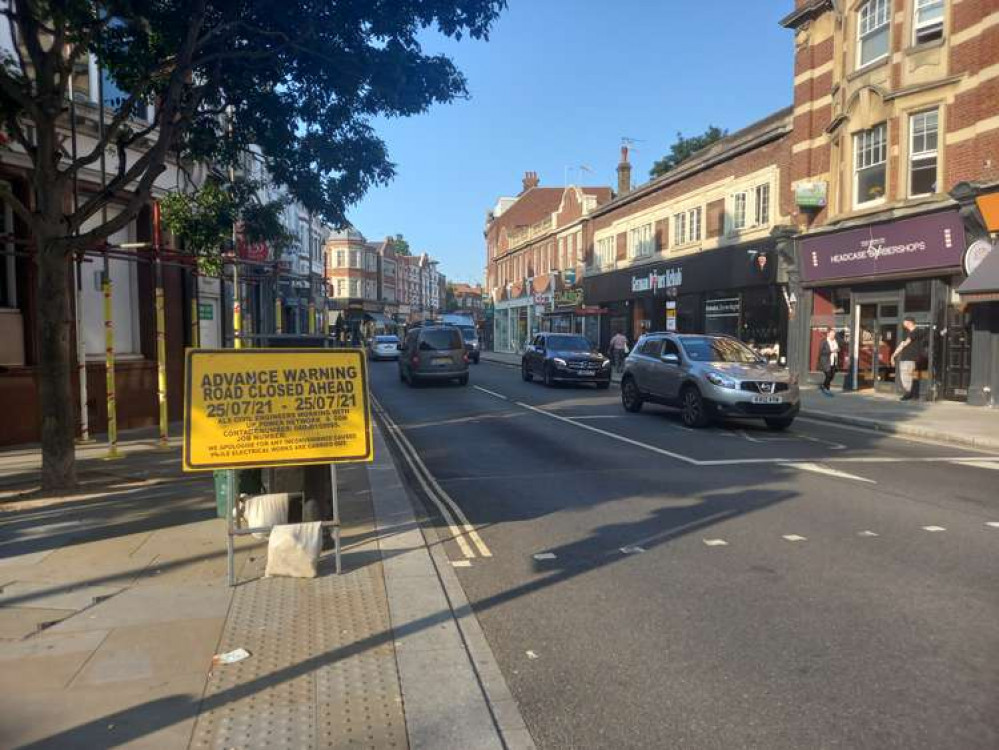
{"x":465,"y":357}
{"x":415,"y":360}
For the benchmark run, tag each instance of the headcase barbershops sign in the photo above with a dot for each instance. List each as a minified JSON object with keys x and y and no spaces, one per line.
{"x":916,"y":244}
{"x":658,"y":280}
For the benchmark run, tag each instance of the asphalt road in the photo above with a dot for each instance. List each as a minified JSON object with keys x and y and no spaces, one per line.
{"x":730,"y":587}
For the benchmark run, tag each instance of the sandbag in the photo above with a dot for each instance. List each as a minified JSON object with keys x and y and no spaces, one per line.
{"x":266,"y":510}
{"x":293,"y":550}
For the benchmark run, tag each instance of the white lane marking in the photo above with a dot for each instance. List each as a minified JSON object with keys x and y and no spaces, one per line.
{"x":866,"y":533}
{"x":440,"y":498}
{"x":795,"y":538}
{"x":544,"y":556}
{"x":599,"y":416}
{"x":828,"y":471}
{"x":934,"y":528}
{"x":749,"y":437}
{"x":531,"y":654}
{"x":882,"y":433}
{"x":994,"y":465}
{"x":461,"y":563}
{"x":491,"y":393}
{"x":715,"y":543}
{"x":611,"y":435}
{"x":632,"y":549}
{"x":993,"y":524}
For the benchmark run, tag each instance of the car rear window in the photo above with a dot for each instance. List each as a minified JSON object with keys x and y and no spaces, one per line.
{"x":442,"y":340}
{"x":468,"y":333}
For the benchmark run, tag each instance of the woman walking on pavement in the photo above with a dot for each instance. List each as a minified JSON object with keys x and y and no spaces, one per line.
{"x":618,"y":348}
{"x":829,"y":360}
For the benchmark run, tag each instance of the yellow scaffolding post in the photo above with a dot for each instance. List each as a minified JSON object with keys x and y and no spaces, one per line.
{"x":312,"y":317}
{"x":161,"y":368}
{"x":278,"y":310}
{"x":109,"y":363}
{"x":237,"y":308}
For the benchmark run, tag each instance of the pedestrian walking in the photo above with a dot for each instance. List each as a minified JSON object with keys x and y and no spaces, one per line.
{"x":829,"y":361}
{"x":618,"y":350}
{"x":906,"y":356}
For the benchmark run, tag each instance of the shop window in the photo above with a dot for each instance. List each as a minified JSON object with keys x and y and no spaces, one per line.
{"x":917,"y":296}
{"x":721,"y":314}
{"x":870,"y":149}
{"x":923,"y":128}
{"x":872,"y":32}
{"x":927,"y":22}
{"x":761,"y":316}
{"x":8,"y":290}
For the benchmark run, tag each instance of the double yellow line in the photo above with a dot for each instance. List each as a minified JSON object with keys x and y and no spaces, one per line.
{"x":462,"y":531}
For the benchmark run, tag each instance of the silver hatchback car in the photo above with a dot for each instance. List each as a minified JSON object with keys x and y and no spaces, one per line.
{"x":708,"y":377}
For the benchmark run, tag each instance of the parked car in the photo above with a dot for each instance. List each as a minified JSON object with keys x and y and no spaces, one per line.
{"x":383,"y":347}
{"x":472,"y":344}
{"x":564,"y":358}
{"x":433,"y":353}
{"x":708,"y":377}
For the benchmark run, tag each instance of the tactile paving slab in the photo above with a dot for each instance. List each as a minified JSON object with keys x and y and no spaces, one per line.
{"x":322,"y":671}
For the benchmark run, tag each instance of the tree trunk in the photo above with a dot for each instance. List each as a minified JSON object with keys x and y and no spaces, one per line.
{"x":55,"y":390}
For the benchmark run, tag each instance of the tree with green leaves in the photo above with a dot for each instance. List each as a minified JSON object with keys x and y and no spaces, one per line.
{"x":301,"y":80}
{"x":684,"y":148}
{"x":400,"y":245}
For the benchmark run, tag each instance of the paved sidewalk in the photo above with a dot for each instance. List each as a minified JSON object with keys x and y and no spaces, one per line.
{"x":114,"y":599}
{"x":941,"y":421}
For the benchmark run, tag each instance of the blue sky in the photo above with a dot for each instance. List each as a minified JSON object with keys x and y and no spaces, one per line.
{"x":558,"y":84}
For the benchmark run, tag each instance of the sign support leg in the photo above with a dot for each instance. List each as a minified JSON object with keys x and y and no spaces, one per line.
{"x":335,"y":502}
{"x":230,"y":503}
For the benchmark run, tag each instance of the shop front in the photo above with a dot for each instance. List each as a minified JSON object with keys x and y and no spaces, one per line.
{"x":730,"y":291}
{"x":514,"y":321}
{"x":865,"y":281}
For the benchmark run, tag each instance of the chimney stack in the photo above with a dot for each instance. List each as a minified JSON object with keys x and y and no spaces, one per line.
{"x":530,"y":181}
{"x":624,"y":173}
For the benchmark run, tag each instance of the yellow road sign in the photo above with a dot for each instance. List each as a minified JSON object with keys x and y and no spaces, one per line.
{"x":247,"y":408}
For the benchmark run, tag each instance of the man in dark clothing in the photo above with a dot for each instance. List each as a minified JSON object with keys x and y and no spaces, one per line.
{"x":906,"y":355}
{"x":828,"y":360}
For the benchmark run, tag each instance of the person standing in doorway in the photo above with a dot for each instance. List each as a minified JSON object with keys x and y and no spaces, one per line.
{"x":829,"y":361}
{"x":618,"y":349}
{"x":905,"y":357}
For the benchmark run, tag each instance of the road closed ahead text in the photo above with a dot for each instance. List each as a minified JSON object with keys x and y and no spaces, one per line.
{"x":275,"y":407}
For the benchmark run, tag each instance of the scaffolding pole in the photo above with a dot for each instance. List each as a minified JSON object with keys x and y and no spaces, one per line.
{"x":161,"y":368}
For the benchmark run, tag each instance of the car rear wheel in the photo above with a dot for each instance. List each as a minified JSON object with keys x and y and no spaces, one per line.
{"x":525,"y":372}
{"x":692,"y":407}
{"x":779,"y":423}
{"x":463,"y":380}
{"x":631,"y":397}
{"x":476,"y":359}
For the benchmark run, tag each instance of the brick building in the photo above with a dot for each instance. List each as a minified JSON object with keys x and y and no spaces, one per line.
{"x":896,"y":103}
{"x":535,"y":249}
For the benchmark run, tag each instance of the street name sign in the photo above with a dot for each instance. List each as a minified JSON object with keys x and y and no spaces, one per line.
{"x":250,"y":408}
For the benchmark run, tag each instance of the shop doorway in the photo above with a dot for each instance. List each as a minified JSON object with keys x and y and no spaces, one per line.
{"x":957,"y":344}
{"x":876,"y":332}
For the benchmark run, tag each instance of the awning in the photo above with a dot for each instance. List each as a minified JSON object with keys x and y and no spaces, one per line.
{"x":983,"y":284}
{"x":379,"y":319}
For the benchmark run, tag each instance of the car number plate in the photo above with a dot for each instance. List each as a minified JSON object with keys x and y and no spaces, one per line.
{"x":587,"y":373}
{"x":441,"y":360}
{"x":767,"y":399}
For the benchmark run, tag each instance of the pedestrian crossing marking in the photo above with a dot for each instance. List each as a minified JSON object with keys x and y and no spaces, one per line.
{"x":993,"y":524}
{"x":994,"y":465}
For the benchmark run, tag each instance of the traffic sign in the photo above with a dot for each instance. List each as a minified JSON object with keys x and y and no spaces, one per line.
{"x":246,"y":408}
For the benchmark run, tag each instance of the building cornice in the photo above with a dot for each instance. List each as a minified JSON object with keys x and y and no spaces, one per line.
{"x":805,"y":13}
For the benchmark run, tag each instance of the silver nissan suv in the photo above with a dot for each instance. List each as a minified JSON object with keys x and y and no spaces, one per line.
{"x":708,"y":377}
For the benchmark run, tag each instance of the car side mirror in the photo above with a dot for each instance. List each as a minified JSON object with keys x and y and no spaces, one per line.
{"x":671,"y":359}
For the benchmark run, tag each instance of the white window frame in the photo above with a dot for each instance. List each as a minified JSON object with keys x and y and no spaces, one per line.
{"x":865,"y":144}
{"x":606,"y":252}
{"x":640,"y":241}
{"x":740,"y":210}
{"x":761,"y":196}
{"x":679,"y":229}
{"x":694,"y":225}
{"x":872,"y":17}
{"x":920,"y":7}
{"x":925,"y":153}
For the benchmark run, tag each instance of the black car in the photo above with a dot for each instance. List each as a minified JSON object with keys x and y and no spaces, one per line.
{"x":564,"y":358}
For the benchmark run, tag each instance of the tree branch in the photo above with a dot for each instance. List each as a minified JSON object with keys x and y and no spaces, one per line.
{"x":15,"y":204}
